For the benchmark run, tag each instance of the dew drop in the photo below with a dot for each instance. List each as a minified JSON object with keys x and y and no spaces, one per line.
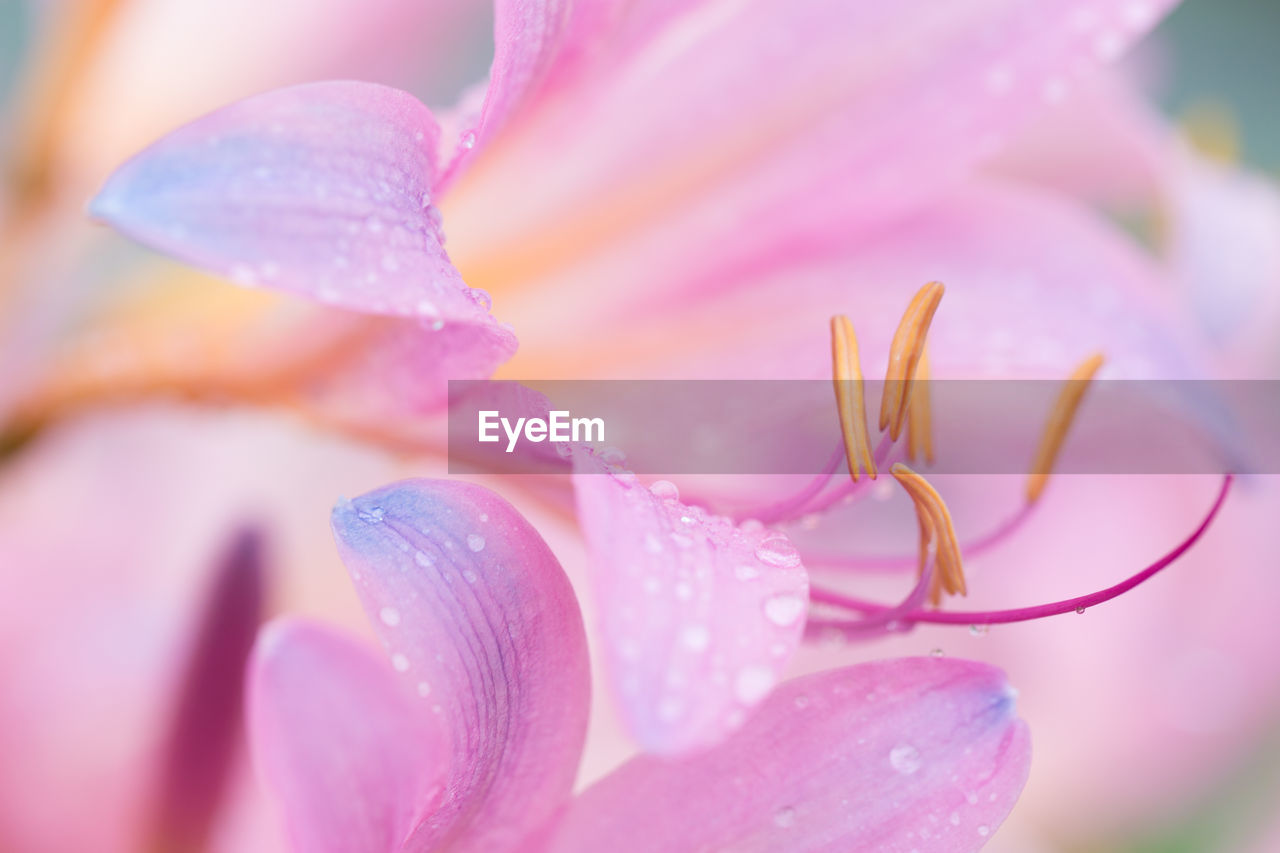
{"x":955,"y":818}
{"x":665,"y":490}
{"x":389,"y":616}
{"x":696,"y":638}
{"x":422,"y":559}
{"x":905,"y":758}
{"x":468,"y":140}
{"x":481,"y":297}
{"x":424,"y":689}
{"x":470,"y":576}
{"x":745,"y":572}
{"x":784,"y":817}
{"x":372,"y":516}
{"x":1080,"y":610}
{"x":475,"y":542}
{"x":752,"y":684}
{"x":935,"y":653}
{"x":984,"y":831}
{"x":979,"y":630}
{"x":400,"y":662}
{"x":784,"y":610}
{"x":779,"y":552}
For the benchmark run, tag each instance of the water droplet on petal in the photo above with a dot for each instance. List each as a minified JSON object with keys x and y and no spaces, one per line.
{"x":475,"y":542}
{"x":665,"y":490}
{"x":746,"y":573}
{"x":779,"y":552}
{"x":784,"y":610}
{"x":984,"y":831}
{"x":935,"y":653}
{"x":481,"y":297}
{"x":389,"y":616}
{"x":979,"y":630}
{"x":695,"y":638}
{"x":784,"y":817}
{"x":424,"y":689}
{"x":422,"y":559}
{"x":905,"y":758}
{"x":468,"y":140}
{"x":1080,"y":610}
{"x":400,"y":662}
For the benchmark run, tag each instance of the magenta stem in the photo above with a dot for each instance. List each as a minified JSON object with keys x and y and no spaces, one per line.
{"x":1021,"y":614}
{"x":784,"y":508}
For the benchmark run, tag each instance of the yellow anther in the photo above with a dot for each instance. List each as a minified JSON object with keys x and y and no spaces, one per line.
{"x":920,"y":414}
{"x":936,"y":529}
{"x":904,"y":356}
{"x":846,"y":375}
{"x":1055,"y":430}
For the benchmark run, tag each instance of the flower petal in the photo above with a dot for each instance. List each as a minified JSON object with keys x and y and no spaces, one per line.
{"x":700,"y":617}
{"x":481,"y":623}
{"x":911,"y":754}
{"x":344,"y":750}
{"x":322,"y":190}
{"x":204,"y":737}
{"x":128,"y":95}
{"x":696,"y":125}
{"x":1030,"y":305}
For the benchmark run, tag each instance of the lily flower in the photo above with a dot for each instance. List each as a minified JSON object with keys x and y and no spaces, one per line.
{"x":467,"y":731}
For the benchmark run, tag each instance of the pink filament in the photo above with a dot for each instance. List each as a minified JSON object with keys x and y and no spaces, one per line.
{"x":871,"y":610}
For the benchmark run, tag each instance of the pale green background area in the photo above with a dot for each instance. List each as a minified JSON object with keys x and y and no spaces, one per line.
{"x":1228,"y":51}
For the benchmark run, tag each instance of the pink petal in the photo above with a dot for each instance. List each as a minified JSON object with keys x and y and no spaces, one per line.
{"x":204,"y":737}
{"x":1223,"y":226}
{"x":483,"y":628}
{"x":322,"y":190}
{"x":350,"y":758}
{"x":699,"y":617}
{"x":128,"y":95}
{"x":696,"y":125}
{"x":532,"y":39}
{"x":1034,"y":284}
{"x":911,"y":754}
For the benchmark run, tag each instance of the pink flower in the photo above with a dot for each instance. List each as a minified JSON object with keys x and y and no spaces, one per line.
{"x":470,"y":739}
{"x":668,"y":206}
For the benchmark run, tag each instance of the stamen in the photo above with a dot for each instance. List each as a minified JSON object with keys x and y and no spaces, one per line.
{"x":936,"y":528}
{"x":846,"y":375}
{"x":920,"y":414}
{"x":904,"y":356}
{"x":1055,"y":430}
